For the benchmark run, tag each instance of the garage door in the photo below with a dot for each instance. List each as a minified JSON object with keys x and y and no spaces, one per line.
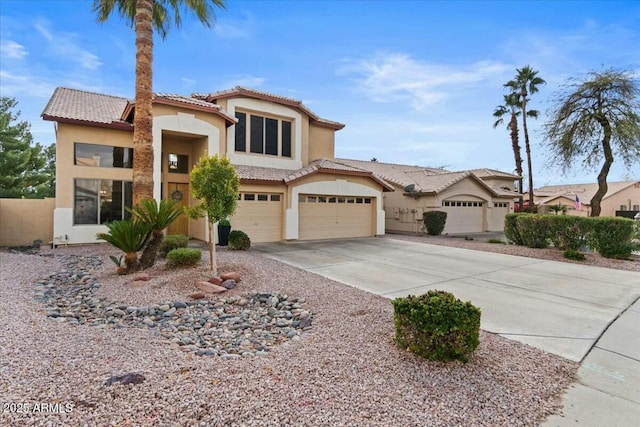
{"x":463,"y":216}
{"x":260,"y":216}
{"x":330,"y":217}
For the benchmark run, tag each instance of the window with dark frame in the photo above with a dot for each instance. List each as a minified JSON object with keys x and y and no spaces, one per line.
{"x":178,"y":163}
{"x":266,"y":135}
{"x":99,"y":201}
{"x":104,"y":156}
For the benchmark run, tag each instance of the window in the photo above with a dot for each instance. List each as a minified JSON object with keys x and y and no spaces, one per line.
{"x":275,"y":197}
{"x":249,"y":196}
{"x":322,"y":199}
{"x":98,"y":201}
{"x":265,"y":135}
{"x":178,"y":163}
{"x":104,"y":156}
{"x":263,"y":197}
{"x":500,"y":205}
{"x":623,"y":207}
{"x":312,"y":199}
{"x":332,"y":199}
{"x":367,"y":201}
{"x":341,"y":199}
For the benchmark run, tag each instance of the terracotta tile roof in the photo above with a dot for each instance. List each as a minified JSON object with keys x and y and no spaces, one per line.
{"x":286,"y":176}
{"x":258,"y":173}
{"x":434,"y":183}
{"x":486,"y":173}
{"x":78,"y":105}
{"x":190,"y":101}
{"x":253,"y":93}
{"x":391,"y":172}
{"x":584,"y":191}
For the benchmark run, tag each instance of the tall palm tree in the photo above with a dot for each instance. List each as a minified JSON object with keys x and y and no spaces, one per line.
{"x":525,"y":83}
{"x":145,"y":15}
{"x":512,"y":107}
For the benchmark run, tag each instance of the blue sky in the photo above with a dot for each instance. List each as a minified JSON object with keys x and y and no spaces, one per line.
{"x":415,"y":82}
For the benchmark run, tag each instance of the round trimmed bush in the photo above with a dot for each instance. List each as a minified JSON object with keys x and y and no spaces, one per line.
{"x":434,"y":222}
{"x":173,"y":241}
{"x":437,"y":326}
{"x":183,"y":257}
{"x":239,"y":241}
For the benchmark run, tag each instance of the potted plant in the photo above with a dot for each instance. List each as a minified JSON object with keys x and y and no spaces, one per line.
{"x":224,"y":228}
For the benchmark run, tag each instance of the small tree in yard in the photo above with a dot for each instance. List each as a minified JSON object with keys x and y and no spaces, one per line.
{"x":215,"y":183}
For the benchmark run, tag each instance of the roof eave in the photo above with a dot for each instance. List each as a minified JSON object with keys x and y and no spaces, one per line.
{"x":112,"y":125}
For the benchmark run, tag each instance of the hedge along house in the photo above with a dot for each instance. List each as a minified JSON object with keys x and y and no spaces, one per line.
{"x":283,"y":152}
{"x":475,"y":201}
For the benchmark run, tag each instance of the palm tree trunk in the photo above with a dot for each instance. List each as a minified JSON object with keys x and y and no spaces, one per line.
{"x":596,"y":207}
{"x":143,"y":119}
{"x":150,"y":253}
{"x":513,"y":126}
{"x":527,"y":148}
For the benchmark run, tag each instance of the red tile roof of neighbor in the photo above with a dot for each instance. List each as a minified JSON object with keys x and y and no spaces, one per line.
{"x":584,"y":191}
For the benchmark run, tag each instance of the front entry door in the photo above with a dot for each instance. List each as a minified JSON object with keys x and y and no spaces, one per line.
{"x":179,"y":192}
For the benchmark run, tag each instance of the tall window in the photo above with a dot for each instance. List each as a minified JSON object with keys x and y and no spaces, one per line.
{"x":104,"y":156}
{"x":263,"y":135}
{"x":98,"y":201}
{"x":178,"y":163}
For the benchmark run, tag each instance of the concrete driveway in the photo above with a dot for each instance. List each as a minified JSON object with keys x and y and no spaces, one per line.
{"x":583,"y":313}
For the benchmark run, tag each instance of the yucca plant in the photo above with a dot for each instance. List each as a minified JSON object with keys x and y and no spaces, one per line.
{"x":157,"y":217}
{"x":130,"y":237}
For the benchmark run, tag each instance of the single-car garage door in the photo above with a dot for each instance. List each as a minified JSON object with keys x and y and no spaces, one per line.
{"x":329,"y":217}
{"x":463,"y":216}
{"x":260,"y":216}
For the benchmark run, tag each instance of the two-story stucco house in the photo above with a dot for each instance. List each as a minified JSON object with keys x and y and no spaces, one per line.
{"x":291,"y":186}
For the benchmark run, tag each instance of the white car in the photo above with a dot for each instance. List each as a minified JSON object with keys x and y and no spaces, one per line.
{"x":637,"y":216}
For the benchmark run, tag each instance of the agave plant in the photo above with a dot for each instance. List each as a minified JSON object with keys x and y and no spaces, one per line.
{"x":157,"y":217}
{"x":130,"y":237}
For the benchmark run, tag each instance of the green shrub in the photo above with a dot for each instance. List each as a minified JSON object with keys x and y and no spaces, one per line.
{"x":224,"y":222}
{"x":511,"y":228}
{"x":183,"y":257}
{"x":533,"y":230}
{"x":568,"y":232}
{"x":437,"y":326}
{"x":614,"y":237}
{"x":238,"y":240}
{"x":173,"y":241}
{"x":573,"y":254}
{"x":495,"y":241}
{"x":434,"y":222}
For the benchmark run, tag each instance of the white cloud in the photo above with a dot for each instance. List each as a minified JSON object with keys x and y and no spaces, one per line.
{"x":13,"y":50}
{"x":66,"y":46}
{"x":393,"y":77}
{"x":14,"y":85}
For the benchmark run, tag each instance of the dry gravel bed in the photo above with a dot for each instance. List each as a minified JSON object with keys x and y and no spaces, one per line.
{"x":346,"y":371}
{"x":480,"y":244}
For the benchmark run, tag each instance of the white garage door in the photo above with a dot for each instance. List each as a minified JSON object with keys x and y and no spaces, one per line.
{"x":260,"y":216}
{"x":330,"y":217}
{"x":463,"y":216}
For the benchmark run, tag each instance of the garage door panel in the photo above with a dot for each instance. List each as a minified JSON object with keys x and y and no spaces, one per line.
{"x":327,"y":217}
{"x":464,"y":216}
{"x":260,"y":216}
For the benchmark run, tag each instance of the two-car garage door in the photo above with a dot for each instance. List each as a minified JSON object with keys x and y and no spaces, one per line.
{"x":328,"y":217}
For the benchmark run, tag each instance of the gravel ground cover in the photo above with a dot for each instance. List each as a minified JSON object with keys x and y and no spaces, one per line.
{"x":345,"y":370}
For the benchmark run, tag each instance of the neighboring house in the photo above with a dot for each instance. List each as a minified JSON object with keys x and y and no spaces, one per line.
{"x":291,"y":186}
{"x":621,"y":196}
{"x":475,"y":201}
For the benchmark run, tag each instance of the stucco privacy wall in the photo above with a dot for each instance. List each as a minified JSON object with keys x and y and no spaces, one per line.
{"x":325,"y":184}
{"x":24,"y":220}
{"x":265,"y":107}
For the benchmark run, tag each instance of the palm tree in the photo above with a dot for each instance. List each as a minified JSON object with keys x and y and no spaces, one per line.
{"x":157,"y":217}
{"x":146,"y":15}
{"x":512,"y":107}
{"x":526,"y":83}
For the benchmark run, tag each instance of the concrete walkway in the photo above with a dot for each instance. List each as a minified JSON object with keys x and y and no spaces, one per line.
{"x":583,"y":313}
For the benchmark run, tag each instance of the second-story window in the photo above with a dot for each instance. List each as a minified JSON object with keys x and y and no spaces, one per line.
{"x":104,"y":156}
{"x":263,"y":135}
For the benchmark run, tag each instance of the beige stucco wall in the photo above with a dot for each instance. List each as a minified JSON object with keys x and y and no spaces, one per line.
{"x":66,"y":171}
{"x":321,"y":143}
{"x":24,"y":220}
{"x":404,"y":213}
{"x":627,"y":197}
